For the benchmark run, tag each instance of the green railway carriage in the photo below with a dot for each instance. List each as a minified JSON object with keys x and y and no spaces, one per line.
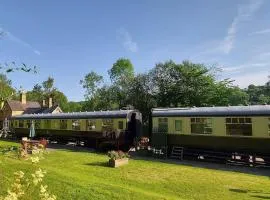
{"x":92,"y":128}
{"x":243,"y":129}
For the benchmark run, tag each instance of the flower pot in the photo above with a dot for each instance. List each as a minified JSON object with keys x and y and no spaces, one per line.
{"x":118,"y":162}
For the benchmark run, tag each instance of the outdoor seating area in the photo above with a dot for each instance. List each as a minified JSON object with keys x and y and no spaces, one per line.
{"x":28,"y":144}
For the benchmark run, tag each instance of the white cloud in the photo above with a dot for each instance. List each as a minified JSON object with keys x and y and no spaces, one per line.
{"x":244,"y":12}
{"x":265,"y":31}
{"x":256,"y":78}
{"x":127,"y":40}
{"x":13,"y":38}
{"x":247,"y":66}
{"x":264,"y":55}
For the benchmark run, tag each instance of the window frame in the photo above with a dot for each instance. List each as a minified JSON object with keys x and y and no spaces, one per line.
{"x":21,"y":124}
{"x":181,"y":125}
{"x":239,"y":124}
{"x":205,"y":122}
{"x":90,"y":123}
{"x":269,"y":126}
{"x":162,"y":123}
{"x":78,"y":126}
{"x":39,"y":124}
{"x":122,"y":125}
{"x":63,"y":122}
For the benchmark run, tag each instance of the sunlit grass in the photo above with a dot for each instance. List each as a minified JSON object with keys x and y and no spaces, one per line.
{"x":84,"y":175}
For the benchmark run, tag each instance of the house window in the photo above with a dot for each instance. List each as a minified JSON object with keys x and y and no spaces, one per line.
{"x":163,"y":125}
{"x":63,"y":124}
{"x":239,"y":126}
{"x":21,"y":123}
{"x":37,"y":124}
{"x":178,"y":125}
{"x":201,"y":125}
{"x":120,"y":125}
{"x":91,"y":124}
{"x":76,"y":124}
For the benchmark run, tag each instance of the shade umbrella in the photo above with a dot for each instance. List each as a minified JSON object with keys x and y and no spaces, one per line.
{"x":32,"y":130}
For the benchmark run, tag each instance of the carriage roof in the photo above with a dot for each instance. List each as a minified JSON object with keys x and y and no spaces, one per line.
{"x":251,"y":110}
{"x":77,"y":115}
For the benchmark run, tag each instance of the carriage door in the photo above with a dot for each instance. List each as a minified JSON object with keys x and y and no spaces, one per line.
{"x":132,"y":126}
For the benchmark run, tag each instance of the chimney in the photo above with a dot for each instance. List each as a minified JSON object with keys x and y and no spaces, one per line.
{"x":43,"y":103}
{"x":50,"y":103}
{"x":23,"y":97}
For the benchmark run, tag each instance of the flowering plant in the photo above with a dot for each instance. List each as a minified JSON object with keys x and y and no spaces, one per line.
{"x":114,"y":155}
{"x":23,"y":187}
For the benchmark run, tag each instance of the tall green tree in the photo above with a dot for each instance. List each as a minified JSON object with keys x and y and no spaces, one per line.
{"x":141,"y":95}
{"x":121,"y":71}
{"x":6,"y":89}
{"x":121,"y":75}
{"x":91,"y":83}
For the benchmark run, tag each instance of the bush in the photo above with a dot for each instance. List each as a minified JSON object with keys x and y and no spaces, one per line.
{"x":114,"y":155}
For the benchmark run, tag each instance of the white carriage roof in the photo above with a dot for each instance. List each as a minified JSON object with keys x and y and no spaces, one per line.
{"x":252,"y":110}
{"x":77,"y":115}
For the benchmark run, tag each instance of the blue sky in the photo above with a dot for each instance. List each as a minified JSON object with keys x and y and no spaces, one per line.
{"x":67,"y":39}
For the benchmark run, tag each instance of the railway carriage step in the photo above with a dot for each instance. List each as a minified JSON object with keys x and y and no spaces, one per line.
{"x":177,"y":152}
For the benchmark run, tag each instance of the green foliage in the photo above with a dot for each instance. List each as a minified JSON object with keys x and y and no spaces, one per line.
{"x":6,"y":90}
{"x":259,"y":94}
{"x":48,"y":86}
{"x":45,"y":90}
{"x":91,"y":83}
{"x":114,"y":155}
{"x":121,"y":71}
{"x":13,"y":67}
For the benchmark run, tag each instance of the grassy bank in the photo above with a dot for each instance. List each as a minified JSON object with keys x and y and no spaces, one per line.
{"x":84,"y":175}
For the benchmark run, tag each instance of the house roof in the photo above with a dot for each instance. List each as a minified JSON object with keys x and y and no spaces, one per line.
{"x":40,"y":110}
{"x":31,"y":107}
{"x":78,"y":115}
{"x":18,"y":106}
{"x":252,"y":110}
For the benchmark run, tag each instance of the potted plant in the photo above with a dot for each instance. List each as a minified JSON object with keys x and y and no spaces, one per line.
{"x":117,"y":158}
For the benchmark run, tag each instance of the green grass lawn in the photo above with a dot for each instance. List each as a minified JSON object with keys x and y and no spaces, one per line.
{"x":84,"y":175}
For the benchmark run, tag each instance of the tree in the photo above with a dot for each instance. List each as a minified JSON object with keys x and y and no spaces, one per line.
{"x":141,"y":95}
{"x":91,"y":83}
{"x":48,"y":86}
{"x":36,"y":94}
{"x":6,"y":90}
{"x":46,"y":90}
{"x":121,"y":71}
{"x":121,"y":75}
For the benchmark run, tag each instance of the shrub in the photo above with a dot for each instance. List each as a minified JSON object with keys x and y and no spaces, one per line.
{"x":114,"y":155}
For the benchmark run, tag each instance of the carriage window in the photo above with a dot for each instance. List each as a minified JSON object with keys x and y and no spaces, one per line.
{"x":269,"y":126}
{"x":37,"y":124}
{"x":28,"y":123}
{"x":76,"y":125}
{"x":121,"y":125}
{"x":178,"y":125}
{"x":91,"y":124}
{"x":21,"y":124}
{"x":63,"y":124}
{"x":239,"y":126}
{"x":107,"y":124}
{"x":201,"y":125}
{"x":48,"y":124}
{"x":163,"y":125}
